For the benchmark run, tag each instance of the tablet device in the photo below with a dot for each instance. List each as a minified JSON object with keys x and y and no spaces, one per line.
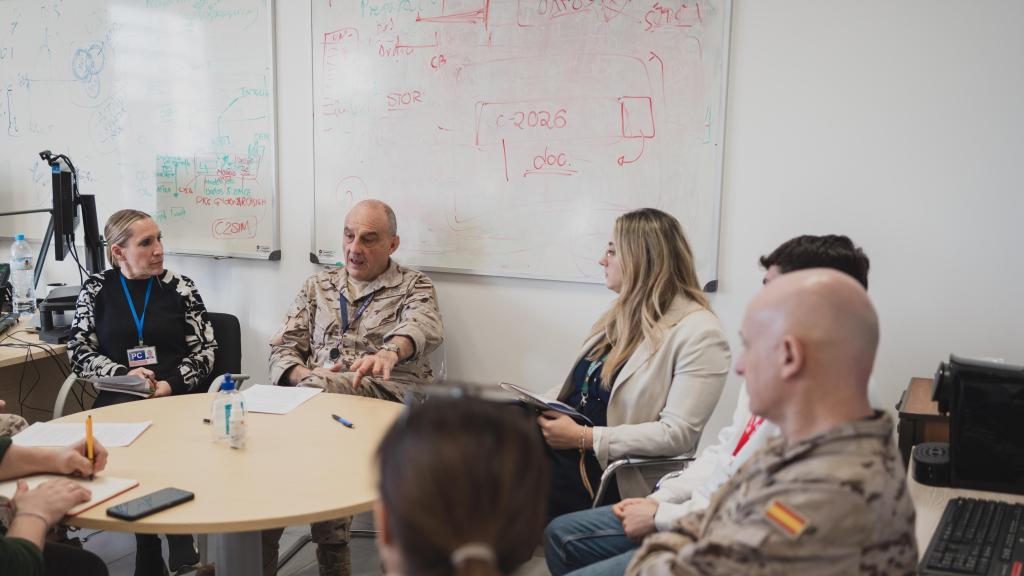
{"x":540,"y":403}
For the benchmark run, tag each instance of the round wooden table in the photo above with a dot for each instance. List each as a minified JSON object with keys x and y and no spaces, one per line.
{"x":296,"y":468}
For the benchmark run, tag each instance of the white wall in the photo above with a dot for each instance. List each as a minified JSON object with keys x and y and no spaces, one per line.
{"x":898,"y":123}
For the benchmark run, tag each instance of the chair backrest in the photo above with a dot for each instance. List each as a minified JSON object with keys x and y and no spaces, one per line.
{"x":228,"y":333}
{"x":439,"y":364}
{"x":218,"y":381}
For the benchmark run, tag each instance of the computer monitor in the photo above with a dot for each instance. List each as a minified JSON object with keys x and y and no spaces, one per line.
{"x":985,"y":402}
{"x":5,"y":289}
{"x":65,"y":213}
{"x":95,"y":259}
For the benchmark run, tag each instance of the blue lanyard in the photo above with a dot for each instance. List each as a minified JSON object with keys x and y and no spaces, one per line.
{"x":594,"y":367}
{"x":359,"y":312}
{"x":139,"y":321}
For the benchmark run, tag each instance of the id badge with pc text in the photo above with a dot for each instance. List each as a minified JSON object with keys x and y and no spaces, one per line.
{"x":141,"y":356}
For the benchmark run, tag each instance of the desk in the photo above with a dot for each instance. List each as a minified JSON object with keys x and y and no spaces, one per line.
{"x":919,"y":418}
{"x":297,"y":468}
{"x":930,"y":503}
{"x":31,"y":372}
{"x":10,"y":356}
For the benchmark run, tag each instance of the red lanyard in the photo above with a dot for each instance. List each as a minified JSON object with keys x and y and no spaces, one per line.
{"x":752,"y":425}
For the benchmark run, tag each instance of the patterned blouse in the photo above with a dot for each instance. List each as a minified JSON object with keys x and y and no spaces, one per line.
{"x":174,"y":321}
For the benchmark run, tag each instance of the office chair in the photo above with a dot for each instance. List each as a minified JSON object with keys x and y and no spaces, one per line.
{"x":226,"y":331}
{"x":439,"y":363}
{"x":62,"y":394}
{"x":676,"y":464}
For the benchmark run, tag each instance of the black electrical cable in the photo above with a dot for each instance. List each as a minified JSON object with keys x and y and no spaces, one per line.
{"x":69,"y":240}
{"x":51,"y":354}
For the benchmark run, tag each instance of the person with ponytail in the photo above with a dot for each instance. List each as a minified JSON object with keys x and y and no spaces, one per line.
{"x":649,"y":375}
{"x":463,"y":490}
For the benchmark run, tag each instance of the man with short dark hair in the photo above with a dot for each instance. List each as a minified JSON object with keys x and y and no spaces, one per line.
{"x":829,"y":251}
{"x":601,"y":541}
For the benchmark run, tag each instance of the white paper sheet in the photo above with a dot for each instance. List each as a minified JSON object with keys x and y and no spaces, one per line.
{"x":65,"y":434}
{"x":276,"y":399}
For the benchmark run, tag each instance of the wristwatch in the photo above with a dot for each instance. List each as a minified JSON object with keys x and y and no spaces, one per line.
{"x":392,"y":347}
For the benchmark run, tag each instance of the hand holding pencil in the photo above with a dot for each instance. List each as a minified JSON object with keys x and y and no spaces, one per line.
{"x":89,"y":442}
{"x":75,"y":459}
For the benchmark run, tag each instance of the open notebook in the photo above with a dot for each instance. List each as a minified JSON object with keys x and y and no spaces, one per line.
{"x":103,"y":488}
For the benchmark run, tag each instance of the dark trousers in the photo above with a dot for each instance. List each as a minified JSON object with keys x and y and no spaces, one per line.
{"x":568,"y":494}
{"x":64,"y":560}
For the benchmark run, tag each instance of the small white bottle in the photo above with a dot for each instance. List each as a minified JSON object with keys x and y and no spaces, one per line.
{"x":22,"y":270}
{"x":228,"y":414}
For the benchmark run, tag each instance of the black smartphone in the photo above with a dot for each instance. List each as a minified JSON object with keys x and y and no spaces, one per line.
{"x":150,"y":504}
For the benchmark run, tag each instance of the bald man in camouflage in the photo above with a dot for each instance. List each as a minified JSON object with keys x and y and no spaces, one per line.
{"x":366,"y":329}
{"x":379,"y":342}
{"x":829,"y":495}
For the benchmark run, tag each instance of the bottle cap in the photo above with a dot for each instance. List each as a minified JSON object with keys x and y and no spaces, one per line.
{"x":19,"y":238}
{"x":228,"y":383}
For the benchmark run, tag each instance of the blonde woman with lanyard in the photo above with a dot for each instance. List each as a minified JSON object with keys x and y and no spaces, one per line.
{"x":650,"y":374}
{"x":140,"y":318}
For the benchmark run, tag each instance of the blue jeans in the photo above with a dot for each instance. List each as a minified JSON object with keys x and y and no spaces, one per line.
{"x":588,"y":542}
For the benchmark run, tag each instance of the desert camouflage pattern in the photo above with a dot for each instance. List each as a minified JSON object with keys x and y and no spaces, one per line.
{"x":403,"y":303}
{"x":847,"y":485}
{"x":10,"y":424}
{"x":334,"y":557}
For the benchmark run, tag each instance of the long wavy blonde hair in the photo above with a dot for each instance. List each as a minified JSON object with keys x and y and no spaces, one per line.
{"x":657,"y":266}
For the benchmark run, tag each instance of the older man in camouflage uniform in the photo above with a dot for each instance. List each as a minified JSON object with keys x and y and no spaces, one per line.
{"x":828,"y":496}
{"x":366,"y":329}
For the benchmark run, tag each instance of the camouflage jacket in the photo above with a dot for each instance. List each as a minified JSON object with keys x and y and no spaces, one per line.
{"x":835,"y":503}
{"x":11,"y":424}
{"x":403,"y":303}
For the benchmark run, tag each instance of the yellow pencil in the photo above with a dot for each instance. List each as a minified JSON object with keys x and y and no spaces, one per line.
{"x":88,"y":442}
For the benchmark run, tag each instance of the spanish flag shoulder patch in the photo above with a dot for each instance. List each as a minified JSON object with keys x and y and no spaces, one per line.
{"x":787,"y":520}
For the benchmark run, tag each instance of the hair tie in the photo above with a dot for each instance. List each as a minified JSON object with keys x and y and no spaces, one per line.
{"x":472,"y":551}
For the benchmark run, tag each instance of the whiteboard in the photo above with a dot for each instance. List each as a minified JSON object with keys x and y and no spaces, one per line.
{"x":509,"y":134}
{"x":166,"y":106}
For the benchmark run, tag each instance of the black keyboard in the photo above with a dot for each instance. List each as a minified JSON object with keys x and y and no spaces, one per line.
{"x":977,"y":537}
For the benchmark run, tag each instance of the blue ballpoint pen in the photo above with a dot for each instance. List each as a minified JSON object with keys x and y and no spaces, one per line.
{"x":343,"y":421}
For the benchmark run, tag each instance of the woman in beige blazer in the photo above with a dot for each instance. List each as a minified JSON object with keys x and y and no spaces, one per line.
{"x":648,"y":376}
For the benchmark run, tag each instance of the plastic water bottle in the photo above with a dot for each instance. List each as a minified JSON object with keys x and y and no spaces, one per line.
{"x":22,"y":269}
{"x":228,"y":416}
